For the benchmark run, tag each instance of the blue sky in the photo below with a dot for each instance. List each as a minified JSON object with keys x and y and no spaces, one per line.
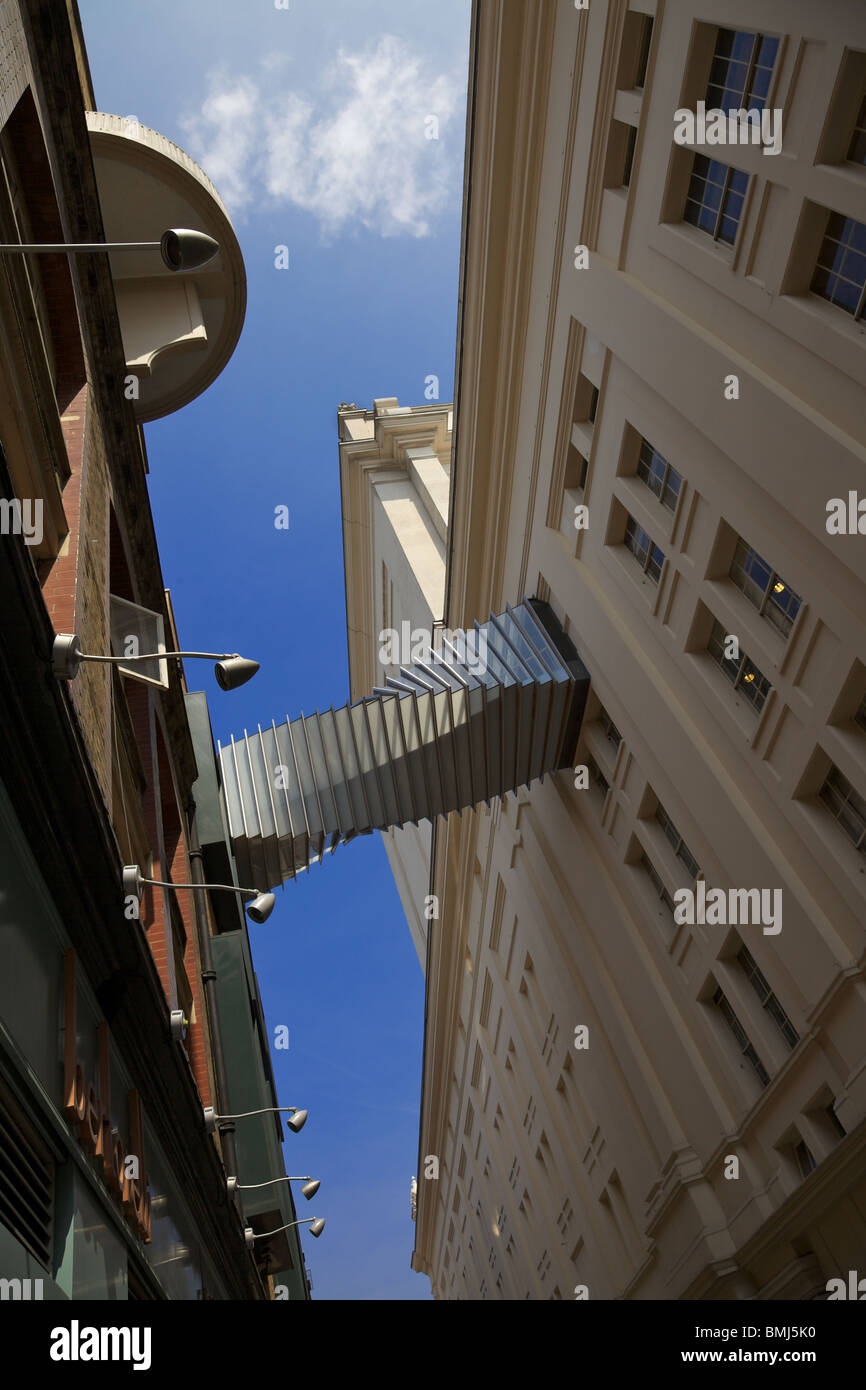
{"x":310,"y":121}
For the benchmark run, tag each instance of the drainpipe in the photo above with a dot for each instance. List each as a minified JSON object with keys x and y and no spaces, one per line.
{"x":209,"y":978}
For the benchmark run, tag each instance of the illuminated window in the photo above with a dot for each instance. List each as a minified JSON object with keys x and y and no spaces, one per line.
{"x":764,"y":588}
{"x":743,"y":674}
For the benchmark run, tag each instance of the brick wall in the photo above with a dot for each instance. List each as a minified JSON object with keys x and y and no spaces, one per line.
{"x":75,"y":584}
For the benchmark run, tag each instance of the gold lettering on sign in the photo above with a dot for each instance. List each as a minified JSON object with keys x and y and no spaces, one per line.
{"x":89,"y":1115}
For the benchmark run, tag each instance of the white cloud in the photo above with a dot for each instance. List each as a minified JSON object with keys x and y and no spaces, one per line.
{"x":226,"y":131}
{"x":353,"y":151}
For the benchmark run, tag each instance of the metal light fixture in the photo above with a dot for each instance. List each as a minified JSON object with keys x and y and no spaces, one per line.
{"x":315,"y":1223}
{"x":231,"y":670}
{"x":258,"y":911}
{"x":309,"y":1189}
{"x":296,"y":1123}
{"x":179,"y":1025}
{"x":180,"y":248}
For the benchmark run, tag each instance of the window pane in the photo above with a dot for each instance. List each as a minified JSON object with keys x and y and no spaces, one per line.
{"x":840,"y":270}
{"x":754,"y":684}
{"x":741,"y":1037}
{"x":715,"y":187}
{"x":740,"y":71}
{"x":651,"y":467}
{"x":857,"y":147}
{"x":764,"y":588}
{"x":783,"y":605}
{"x":637,"y":540}
{"x":716,"y":648}
{"x":750,"y":573}
{"x":846,"y":806}
{"x":672,"y":489}
{"x":654,"y":564}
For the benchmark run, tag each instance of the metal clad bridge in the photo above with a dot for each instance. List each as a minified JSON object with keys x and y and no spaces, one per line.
{"x":492,"y":710}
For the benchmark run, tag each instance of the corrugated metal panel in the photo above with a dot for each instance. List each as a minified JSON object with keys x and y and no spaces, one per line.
{"x":491,"y":711}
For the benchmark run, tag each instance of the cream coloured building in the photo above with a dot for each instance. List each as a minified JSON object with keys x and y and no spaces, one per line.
{"x":658,"y":428}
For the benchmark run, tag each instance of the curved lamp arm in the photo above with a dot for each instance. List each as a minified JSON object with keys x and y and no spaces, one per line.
{"x":315,"y":1223}
{"x":299,"y":1117}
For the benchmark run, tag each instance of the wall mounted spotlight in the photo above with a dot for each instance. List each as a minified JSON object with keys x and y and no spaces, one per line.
{"x":315,"y":1223}
{"x":179,"y":1025}
{"x":231,"y":670}
{"x":296,"y":1123}
{"x":309,"y":1189}
{"x":258,"y":911}
{"x":180,"y":248}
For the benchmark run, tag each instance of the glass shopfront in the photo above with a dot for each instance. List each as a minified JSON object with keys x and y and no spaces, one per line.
{"x":60,"y":1221}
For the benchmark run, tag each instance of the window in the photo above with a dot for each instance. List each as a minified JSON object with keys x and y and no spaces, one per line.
{"x":643,"y":50}
{"x":714,"y":202}
{"x":628,"y":156}
{"x":764,"y":588}
{"x":838,"y":1127}
{"x":804,"y":1159}
{"x":847,"y":807}
{"x":387,"y":598}
{"x":767,"y":997}
{"x":751,"y":1056}
{"x":860,"y":716}
{"x":619,"y":156}
{"x":585,"y":402}
{"x":611,"y":732}
{"x":741,"y":70}
{"x":476,"y":1077}
{"x":597,"y":776}
{"x":575,"y":470}
{"x":657,"y":883}
{"x":647,"y":554}
{"x":857,"y":147}
{"x":740,"y":671}
{"x":136,"y":631}
{"x":658,"y":475}
{"x":678,"y":844}
{"x":840,"y":271}
{"x":637,"y":32}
